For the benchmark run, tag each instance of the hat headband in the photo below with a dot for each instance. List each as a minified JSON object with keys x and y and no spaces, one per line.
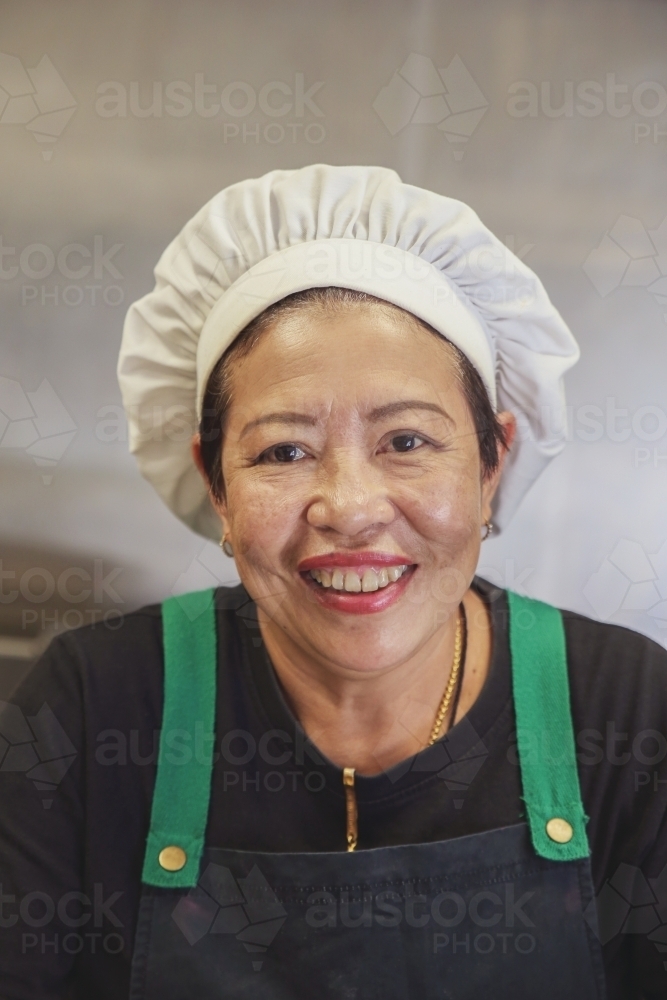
{"x":387,"y":272}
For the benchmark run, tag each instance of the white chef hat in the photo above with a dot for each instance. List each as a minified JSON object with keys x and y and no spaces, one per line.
{"x":355,"y":227}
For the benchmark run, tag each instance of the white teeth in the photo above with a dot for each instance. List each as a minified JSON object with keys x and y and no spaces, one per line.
{"x":350,"y":580}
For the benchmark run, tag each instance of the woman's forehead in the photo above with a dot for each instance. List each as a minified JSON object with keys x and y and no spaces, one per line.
{"x":377,"y":389}
{"x":357,"y":343}
{"x":358,"y":381}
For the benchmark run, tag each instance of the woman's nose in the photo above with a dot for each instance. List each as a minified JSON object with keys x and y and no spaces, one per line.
{"x":351,"y":498}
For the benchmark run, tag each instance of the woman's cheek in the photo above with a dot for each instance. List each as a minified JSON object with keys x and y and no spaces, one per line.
{"x":449,"y":527}
{"x":262,"y":519}
{"x":444,"y":508}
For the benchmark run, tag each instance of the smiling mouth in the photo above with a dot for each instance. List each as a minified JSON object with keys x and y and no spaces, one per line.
{"x":352,"y":581}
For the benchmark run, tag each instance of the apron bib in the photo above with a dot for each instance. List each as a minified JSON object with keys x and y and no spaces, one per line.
{"x":496,"y":914}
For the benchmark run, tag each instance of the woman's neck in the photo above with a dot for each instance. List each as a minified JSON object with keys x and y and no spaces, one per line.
{"x":372,"y":722}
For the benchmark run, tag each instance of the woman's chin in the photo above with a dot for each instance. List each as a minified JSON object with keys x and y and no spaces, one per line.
{"x":371,"y":647}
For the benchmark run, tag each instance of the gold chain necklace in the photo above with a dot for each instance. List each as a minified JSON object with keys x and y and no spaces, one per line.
{"x":443,"y":708}
{"x":451,"y":683}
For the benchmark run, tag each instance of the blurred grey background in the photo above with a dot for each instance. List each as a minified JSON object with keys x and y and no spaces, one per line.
{"x":118,"y":121}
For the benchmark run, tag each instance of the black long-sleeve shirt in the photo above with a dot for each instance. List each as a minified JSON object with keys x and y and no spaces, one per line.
{"x":78,"y":747}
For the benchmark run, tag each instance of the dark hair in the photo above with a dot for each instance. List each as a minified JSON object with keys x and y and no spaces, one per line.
{"x":218,"y":395}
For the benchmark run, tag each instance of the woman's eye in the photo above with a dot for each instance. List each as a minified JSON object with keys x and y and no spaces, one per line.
{"x":406,"y":442}
{"x":283,"y":453}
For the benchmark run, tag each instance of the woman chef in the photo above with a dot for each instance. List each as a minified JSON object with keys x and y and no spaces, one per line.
{"x":363,"y":772}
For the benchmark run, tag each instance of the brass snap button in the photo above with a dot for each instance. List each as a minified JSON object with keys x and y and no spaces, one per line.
{"x":172,"y":858}
{"x":560,"y":830}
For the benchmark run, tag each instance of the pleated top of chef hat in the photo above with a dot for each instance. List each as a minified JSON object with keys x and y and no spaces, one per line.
{"x":356,"y":227}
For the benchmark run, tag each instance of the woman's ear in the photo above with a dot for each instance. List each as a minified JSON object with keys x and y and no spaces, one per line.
{"x":490,"y":484}
{"x":218,"y":505}
{"x":195,"y":448}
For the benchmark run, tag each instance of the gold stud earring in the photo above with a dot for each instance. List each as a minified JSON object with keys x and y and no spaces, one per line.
{"x":226,"y":547}
{"x":489,"y":528}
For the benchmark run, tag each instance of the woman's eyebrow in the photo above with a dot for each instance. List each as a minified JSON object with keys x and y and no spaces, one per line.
{"x":391,"y":409}
{"x":379,"y":413}
{"x":280,"y":417}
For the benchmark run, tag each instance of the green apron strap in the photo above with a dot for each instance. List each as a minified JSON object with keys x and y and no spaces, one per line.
{"x":545,"y":735}
{"x":185,"y":759}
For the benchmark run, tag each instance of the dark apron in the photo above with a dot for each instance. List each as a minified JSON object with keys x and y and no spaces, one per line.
{"x":495,"y":915}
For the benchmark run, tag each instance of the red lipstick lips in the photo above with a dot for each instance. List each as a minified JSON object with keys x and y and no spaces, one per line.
{"x":355,"y":602}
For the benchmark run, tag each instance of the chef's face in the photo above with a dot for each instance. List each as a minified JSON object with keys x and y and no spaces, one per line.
{"x":354,"y":494}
